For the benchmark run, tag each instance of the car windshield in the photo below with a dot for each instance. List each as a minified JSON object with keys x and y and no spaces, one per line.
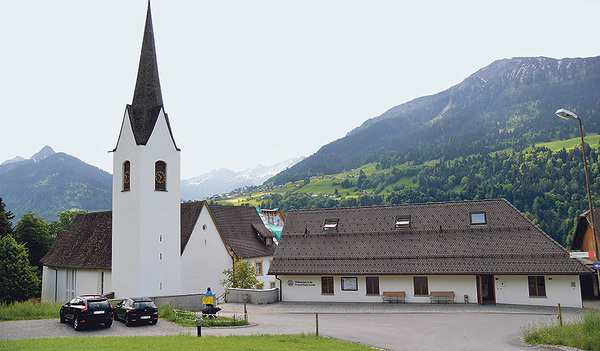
{"x":99,"y":304}
{"x":148,"y":304}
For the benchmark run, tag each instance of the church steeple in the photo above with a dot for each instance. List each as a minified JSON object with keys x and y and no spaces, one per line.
{"x":147,"y":97}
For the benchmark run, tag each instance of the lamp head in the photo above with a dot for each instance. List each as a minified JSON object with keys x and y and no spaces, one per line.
{"x":566,"y":114}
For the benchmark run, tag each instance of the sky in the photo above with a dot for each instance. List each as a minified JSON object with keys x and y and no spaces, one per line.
{"x":254,"y":82}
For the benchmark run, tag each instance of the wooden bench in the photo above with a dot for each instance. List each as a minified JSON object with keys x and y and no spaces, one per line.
{"x":393,"y":296}
{"x":441,"y":296}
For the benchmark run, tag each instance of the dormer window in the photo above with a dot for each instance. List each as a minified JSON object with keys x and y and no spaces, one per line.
{"x":330,"y":225}
{"x":478,"y":218}
{"x":402,"y":222}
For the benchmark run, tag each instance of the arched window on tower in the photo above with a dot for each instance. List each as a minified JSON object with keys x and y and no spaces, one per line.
{"x":160,"y":176}
{"x":126,"y":176}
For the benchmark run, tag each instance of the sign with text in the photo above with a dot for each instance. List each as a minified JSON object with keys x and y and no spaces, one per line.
{"x":291,"y":283}
{"x":582,"y":254}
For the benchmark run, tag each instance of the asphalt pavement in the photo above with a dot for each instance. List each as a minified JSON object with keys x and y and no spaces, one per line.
{"x":382,"y":326}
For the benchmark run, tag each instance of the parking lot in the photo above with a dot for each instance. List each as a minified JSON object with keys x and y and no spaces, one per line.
{"x":392,"y":327}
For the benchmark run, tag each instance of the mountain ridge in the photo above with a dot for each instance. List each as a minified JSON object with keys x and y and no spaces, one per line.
{"x":509,"y":102}
{"x":223,"y":180}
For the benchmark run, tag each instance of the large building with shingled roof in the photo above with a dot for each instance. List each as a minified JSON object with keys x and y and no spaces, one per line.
{"x":483,"y":251}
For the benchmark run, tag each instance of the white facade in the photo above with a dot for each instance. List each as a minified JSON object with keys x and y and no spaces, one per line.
{"x":204,"y":258}
{"x":509,"y":289}
{"x":146,"y":223}
{"x":61,"y":284}
{"x":269,"y":281}
{"x":563,"y":289}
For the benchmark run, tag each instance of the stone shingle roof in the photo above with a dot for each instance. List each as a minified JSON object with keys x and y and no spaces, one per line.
{"x":147,"y":96}
{"x":242,"y":230}
{"x":440,"y":240}
{"x":189,"y":216}
{"x":87,"y":243}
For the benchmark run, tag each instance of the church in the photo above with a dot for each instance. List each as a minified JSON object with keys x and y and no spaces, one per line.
{"x":151,"y":244}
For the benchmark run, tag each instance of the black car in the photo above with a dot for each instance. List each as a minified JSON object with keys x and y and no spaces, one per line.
{"x":136,"y":309}
{"x":87,"y":310}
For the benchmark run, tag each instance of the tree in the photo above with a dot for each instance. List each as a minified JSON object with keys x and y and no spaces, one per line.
{"x":361,"y":178}
{"x":5,"y":220}
{"x":32,"y":231}
{"x":65,"y":219}
{"x":18,"y":279}
{"x":242,"y":276}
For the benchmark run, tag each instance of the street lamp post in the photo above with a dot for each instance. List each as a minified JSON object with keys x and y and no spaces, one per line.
{"x":566,"y":114}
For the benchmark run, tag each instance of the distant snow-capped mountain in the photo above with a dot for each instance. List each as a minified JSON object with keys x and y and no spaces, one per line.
{"x":223,"y":180}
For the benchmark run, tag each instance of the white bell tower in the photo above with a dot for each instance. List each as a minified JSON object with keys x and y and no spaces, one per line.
{"x":146,"y":196}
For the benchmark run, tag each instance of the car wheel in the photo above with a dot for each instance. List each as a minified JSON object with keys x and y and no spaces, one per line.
{"x":62,"y":318}
{"x":154,"y":322}
{"x":76,"y":324}
{"x":127,"y":321}
{"x":108,"y":323}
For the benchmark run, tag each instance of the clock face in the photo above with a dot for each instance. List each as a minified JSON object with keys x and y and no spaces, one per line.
{"x":160,"y":177}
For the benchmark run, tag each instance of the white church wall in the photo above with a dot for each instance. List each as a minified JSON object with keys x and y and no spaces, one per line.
{"x":146,"y":223}
{"x":204,"y":258}
{"x":61,"y":284}
{"x":125,"y":216}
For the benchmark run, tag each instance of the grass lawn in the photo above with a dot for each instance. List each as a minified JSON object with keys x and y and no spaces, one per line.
{"x":185,"y":342}
{"x":583,"y":334}
{"x":28,"y":310}
{"x":590,"y":138}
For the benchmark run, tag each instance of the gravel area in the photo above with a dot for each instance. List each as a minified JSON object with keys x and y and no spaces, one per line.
{"x":52,"y":328}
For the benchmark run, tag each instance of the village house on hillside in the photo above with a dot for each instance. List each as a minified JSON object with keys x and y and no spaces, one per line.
{"x":151,"y":244}
{"x":482,"y":251}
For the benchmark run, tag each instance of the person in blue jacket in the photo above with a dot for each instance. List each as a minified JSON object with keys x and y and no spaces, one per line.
{"x":208,"y":298}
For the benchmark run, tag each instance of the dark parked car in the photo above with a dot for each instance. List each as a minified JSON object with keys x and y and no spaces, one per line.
{"x":136,"y":309}
{"x":87,"y":310}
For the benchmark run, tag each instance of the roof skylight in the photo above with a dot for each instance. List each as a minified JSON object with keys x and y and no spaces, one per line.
{"x":330,"y":225}
{"x":402,"y":222}
{"x":478,"y":218}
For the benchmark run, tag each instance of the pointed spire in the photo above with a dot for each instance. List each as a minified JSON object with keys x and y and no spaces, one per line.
{"x":147,"y":97}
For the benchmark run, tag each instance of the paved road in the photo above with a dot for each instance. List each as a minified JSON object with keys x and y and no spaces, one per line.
{"x":392,"y":327}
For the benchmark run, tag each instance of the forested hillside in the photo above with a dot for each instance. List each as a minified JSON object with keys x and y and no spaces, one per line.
{"x":549,"y":187}
{"x":57,"y":183}
{"x":508,"y":104}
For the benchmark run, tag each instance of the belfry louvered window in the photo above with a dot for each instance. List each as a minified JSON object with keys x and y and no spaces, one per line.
{"x":160,"y":176}
{"x":126,"y":176}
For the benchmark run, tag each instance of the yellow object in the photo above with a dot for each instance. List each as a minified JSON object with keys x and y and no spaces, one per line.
{"x":207,"y":300}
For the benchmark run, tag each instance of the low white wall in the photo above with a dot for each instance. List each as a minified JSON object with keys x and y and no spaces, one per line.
{"x":190,"y":302}
{"x":252,"y":296}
